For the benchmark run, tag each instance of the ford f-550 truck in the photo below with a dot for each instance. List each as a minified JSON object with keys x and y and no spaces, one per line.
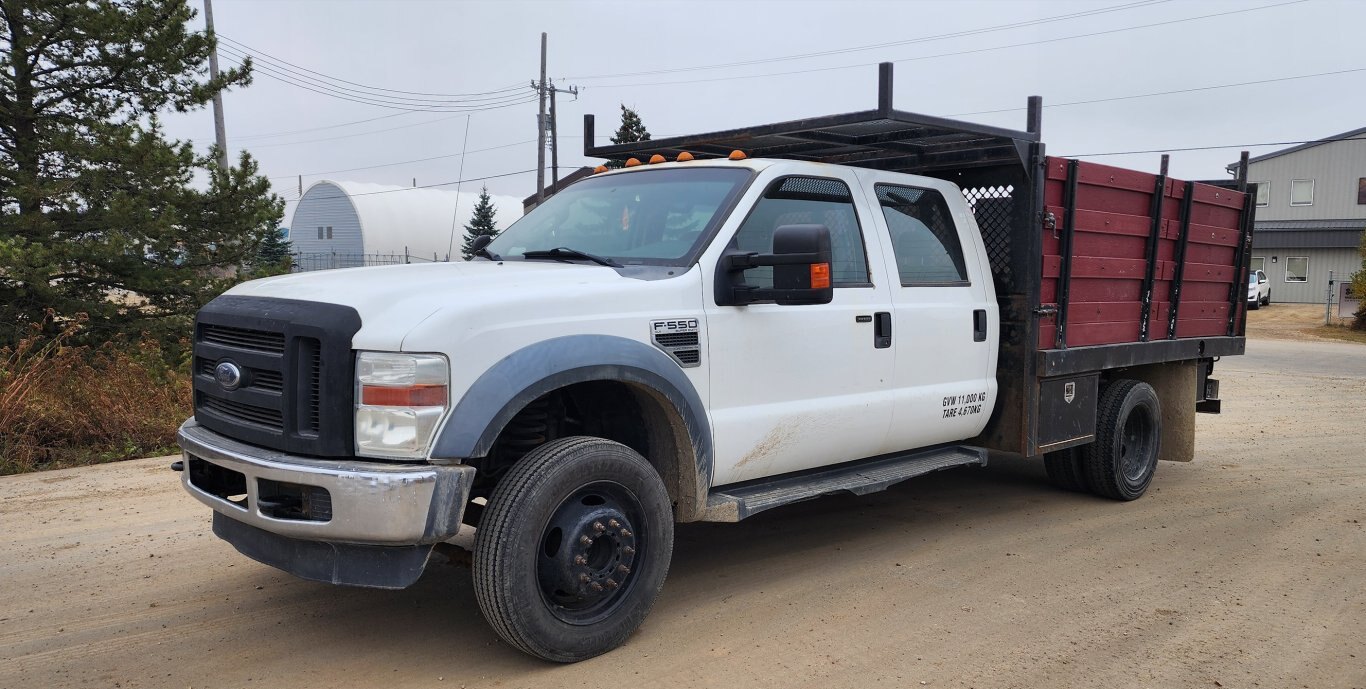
{"x":731,"y":322}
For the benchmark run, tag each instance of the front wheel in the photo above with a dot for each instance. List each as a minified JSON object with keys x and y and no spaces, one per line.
{"x":573,"y":549}
{"x":1121,"y":462}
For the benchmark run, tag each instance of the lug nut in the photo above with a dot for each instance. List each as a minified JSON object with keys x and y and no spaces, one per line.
{"x":613,"y":523}
{"x":611,"y":584}
{"x":628,"y":550}
{"x":625,"y":533}
{"x":623,"y":569}
{"x":595,"y":586}
{"x":583,"y":578}
{"x":585,"y":541}
{"x":580,"y":560}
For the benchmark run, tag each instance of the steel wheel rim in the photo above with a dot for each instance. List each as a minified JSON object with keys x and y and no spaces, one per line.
{"x":587,"y":553}
{"x":1136,"y":445}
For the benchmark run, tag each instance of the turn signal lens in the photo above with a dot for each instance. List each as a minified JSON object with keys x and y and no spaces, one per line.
{"x":632,"y":162}
{"x":684,"y":157}
{"x":656,"y":158}
{"x":600,"y":168}
{"x":738,"y":155}
{"x":411,"y":396}
{"x":820,"y":275}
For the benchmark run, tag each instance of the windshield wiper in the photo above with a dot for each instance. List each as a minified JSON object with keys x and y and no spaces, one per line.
{"x":560,"y":253}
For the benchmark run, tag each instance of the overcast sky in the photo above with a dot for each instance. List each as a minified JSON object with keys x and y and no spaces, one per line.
{"x":459,"y":48}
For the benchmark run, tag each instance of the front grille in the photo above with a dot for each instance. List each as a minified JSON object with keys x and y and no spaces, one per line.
{"x":243,"y":338}
{"x":272,"y":419}
{"x":296,"y":388}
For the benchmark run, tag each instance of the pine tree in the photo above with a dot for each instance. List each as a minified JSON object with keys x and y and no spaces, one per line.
{"x":273,"y":255}
{"x":98,"y":213}
{"x":630,"y":131}
{"x":1358,"y":288}
{"x":482,"y":222}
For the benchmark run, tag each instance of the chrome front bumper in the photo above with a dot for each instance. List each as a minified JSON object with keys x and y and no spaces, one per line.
{"x":372,"y":503}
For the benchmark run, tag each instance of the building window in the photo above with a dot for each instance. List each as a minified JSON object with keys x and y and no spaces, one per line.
{"x":1297,"y":269}
{"x":1361,"y":191}
{"x":1258,"y":263}
{"x":1301,"y":192}
{"x":329,"y":232}
{"x":320,"y":233}
{"x":1263,"y":194}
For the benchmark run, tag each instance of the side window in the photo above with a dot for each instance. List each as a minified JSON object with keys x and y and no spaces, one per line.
{"x":1258,"y":263}
{"x":924,"y":238}
{"x":807,"y":201}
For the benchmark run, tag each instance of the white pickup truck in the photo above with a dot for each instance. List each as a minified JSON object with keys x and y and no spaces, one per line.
{"x":707,"y":338}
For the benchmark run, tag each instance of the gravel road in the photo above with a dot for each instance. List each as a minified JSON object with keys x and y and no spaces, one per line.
{"x":1245,"y":568}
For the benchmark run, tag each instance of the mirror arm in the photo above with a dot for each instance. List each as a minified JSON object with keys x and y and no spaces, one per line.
{"x":756,"y":260}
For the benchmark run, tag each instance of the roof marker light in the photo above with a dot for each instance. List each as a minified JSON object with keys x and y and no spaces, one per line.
{"x":632,"y":162}
{"x":600,"y":168}
{"x":738,"y":155}
{"x":684,"y":157}
{"x":656,"y":158}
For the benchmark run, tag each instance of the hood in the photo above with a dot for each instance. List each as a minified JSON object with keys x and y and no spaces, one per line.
{"x":392,"y":300}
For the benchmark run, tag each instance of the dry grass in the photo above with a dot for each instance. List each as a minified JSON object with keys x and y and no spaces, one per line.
{"x":66,"y":406}
{"x":1340,"y":332}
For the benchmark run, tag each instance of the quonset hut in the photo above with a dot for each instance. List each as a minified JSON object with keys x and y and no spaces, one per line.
{"x":349,"y":224}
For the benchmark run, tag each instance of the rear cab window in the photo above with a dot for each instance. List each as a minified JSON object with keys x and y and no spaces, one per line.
{"x":925,"y":240}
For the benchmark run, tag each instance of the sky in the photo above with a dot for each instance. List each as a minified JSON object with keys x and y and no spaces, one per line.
{"x":676,"y":64}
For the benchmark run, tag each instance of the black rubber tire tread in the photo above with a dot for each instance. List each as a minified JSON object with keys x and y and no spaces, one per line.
{"x":524,"y":493}
{"x":1100,"y":461}
{"x":1064,"y":469}
{"x":1256,"y":304}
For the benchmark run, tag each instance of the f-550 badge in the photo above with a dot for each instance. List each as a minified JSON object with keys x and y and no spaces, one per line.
{"x":679,"y":338}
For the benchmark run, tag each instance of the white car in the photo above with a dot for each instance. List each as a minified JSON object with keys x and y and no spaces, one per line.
{"x":1258,"y":290}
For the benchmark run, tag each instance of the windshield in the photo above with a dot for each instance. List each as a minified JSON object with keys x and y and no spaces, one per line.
{"x":646,"y":217}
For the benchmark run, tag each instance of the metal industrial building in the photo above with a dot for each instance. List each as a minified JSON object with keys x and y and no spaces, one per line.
{"x":1311,"y":212}
{"x":349,"y":224}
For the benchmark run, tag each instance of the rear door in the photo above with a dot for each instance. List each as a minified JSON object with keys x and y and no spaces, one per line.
{"x":795,"y":387}
{"x":946,"y":320}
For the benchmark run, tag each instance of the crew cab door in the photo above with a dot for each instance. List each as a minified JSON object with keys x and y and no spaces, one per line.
{"x":945,"y":316}
{"x":800,"y":386}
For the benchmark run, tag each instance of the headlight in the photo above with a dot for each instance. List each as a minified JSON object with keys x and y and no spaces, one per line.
{"x":400,"y":398}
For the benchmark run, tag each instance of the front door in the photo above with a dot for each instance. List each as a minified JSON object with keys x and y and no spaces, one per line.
{"x":795,"y":387}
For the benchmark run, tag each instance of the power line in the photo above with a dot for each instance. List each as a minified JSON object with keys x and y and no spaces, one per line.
{"x":268,"y":71}
{"x":268,"y":56}
{"x":1214,"y":148}
{"x":405,"y":162}
{"x":318,"y":129}
{"x":430,"y":186}
{"x":1167,"y":93}
{"x":889,"y":44}
{"x":955,"y":53}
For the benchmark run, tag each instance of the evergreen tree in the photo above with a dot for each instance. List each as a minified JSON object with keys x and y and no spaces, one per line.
{"x":98,"y":214}
{"x":630,"y":131}
{"x":482,"y":222}
{"x":1359,"y":288}
{"x":273,"y":256}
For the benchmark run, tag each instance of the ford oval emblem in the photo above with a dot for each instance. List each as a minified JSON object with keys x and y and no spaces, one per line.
{"x":228,"y":375}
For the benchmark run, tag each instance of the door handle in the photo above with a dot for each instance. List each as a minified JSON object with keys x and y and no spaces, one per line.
{"x":882,"y":330}
{"x":979,"y":325}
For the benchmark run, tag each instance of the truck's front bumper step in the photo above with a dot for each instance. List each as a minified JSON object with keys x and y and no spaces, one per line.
{"x":384,"y":567}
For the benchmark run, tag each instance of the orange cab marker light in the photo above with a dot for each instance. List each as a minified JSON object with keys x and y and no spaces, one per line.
{"x":820,"y":275}
{"x":409,"y":396}
{"x":738,"y":155}
{"x":632,"y":162}
{"x":656,"y":158}
{"x":684,"y":157}
{"x":600,"y":168}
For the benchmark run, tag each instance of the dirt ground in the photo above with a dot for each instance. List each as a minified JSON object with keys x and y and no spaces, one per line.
{"x":1245,"y":568}
{"x":1297,"y":321}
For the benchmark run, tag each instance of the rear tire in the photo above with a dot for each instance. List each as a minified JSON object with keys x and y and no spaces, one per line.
{"x":1064,"y":469}
{"x":573,"y":548}
{"x":1267,"y":301}
{"x":1121,"y":462}
{"x":1256,"y":304}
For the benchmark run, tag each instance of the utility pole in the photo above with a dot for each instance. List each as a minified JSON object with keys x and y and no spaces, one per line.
{"x":540,"y":129}
{"x":555,"y":133}
{"x":220,"y":132}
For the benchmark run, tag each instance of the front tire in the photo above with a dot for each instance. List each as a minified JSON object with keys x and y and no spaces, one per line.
{"x":1121,"y":462}
{"x":573,"y":548}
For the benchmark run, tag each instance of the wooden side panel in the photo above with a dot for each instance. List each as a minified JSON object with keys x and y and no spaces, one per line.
{"x":1112,"y":224}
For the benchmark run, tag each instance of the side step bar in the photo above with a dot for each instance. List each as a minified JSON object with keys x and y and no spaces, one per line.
{"x":739,"y":500}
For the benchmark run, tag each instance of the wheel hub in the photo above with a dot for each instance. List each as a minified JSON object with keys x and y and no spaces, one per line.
{"x":587,"y":554}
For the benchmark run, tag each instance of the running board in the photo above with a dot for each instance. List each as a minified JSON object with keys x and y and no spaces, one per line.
{"x":739,"y":500}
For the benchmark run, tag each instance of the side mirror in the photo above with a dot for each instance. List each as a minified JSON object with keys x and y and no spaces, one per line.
{"x":801,"y":269}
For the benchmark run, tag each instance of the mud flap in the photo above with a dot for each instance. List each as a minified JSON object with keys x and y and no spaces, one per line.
{"x":348,"y":564}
